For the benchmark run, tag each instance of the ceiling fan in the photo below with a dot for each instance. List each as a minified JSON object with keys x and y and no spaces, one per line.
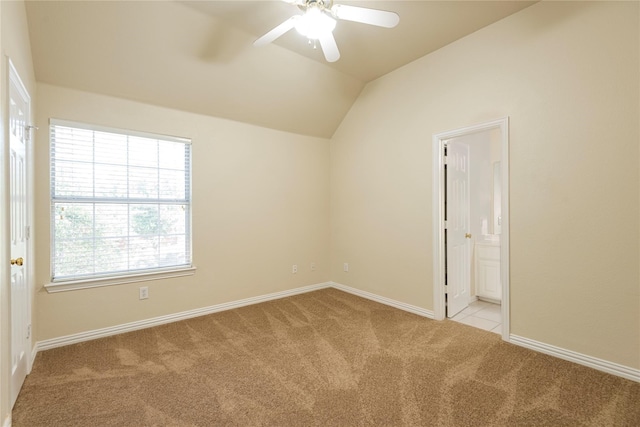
{"x":319,"y":19}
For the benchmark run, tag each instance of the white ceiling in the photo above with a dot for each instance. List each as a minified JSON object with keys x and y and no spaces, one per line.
{"x":198,"y":56}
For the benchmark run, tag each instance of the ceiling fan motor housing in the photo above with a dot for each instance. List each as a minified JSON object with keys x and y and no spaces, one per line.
{"x":320,"y":4}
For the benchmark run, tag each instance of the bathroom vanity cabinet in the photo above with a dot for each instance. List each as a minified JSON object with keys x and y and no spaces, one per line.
{"x":487,"y":271}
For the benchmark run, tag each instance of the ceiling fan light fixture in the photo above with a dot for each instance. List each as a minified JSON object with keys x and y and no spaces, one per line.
{"x":314,"y":24}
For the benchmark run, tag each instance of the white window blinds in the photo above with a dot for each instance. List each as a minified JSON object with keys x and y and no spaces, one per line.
{"x":120,"y":202}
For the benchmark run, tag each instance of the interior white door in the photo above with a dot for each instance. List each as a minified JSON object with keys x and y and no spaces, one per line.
{"x":20,"y":304}
{"x":458,"y":235}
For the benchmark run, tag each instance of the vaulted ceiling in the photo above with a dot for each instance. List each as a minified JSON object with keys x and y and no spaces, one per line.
{"x":198,"y":56}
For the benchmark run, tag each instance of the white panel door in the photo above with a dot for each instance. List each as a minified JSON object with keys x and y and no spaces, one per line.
{"x":20,"y":305}
{"x":458,"y":228}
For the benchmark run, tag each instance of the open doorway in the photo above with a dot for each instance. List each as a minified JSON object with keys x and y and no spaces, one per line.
{"x":471,"y":232}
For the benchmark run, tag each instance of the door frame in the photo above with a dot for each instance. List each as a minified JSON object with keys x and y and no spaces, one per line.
{"x":439,"y":252}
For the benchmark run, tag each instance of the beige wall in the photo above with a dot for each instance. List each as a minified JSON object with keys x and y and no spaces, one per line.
{"x":260,"y":205}
{"x":15,"y":45}
{"x":567,"y":75}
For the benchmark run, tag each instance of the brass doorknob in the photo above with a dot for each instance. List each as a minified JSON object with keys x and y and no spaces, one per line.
{"x":467,"y":235}
{"x":17,"y":261}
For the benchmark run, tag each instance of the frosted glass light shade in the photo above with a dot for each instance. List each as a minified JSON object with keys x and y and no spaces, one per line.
{"x":313,"y":24}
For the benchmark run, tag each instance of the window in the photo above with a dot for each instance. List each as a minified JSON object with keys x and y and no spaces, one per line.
{"x":120,"y":202}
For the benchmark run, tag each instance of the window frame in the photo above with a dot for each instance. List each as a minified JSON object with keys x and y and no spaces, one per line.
{"x":129,"y":276}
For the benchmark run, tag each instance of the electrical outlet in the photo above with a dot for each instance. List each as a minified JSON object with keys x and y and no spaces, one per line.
{"x":345,"y":267}
{"x":313,"y":266}
{"x":294,"y":269}
{"x":144,"y":292}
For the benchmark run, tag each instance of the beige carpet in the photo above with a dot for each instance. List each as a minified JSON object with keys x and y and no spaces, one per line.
{"x":325,"y":358}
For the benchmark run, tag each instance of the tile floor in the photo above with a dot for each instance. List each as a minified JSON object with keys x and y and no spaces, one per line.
{"x":483,"y":315}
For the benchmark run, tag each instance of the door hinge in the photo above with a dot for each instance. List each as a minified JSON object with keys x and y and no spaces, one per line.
{"x":29,"y":331}
{"x":444,"y":160}
{"x":29,"y":129}
{"x":446,"y":224}
{"x":27,"y":231}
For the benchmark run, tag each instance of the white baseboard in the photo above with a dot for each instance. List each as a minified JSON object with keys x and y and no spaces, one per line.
{"x":156,"y":321}
{"x":580,"y":359}
{"x":7,"y":421}
{"x":384,"y":300}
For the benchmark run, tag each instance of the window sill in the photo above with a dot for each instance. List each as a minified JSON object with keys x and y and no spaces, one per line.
{"x":73,"y":285}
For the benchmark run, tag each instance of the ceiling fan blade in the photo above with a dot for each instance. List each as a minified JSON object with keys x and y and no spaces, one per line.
{"x":277,"y":31}
{"x":296,"y":2}
{"x":329,"y":47}
{"x":381,"y":18}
